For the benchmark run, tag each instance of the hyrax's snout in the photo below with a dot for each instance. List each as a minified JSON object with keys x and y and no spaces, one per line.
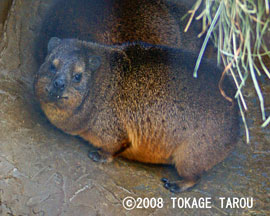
{"x":56,"y":87}
{"x":59,"y":84}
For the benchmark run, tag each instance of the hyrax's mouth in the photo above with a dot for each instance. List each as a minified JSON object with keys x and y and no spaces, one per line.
{"x":55,"y":96}
{"x":58,"y":97}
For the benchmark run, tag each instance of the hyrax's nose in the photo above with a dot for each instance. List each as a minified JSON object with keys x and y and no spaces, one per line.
{"x":59,"y":84}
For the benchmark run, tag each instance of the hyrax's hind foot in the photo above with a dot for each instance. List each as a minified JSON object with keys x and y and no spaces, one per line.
{"x":100,"y":156}
{"x":178,"y":186}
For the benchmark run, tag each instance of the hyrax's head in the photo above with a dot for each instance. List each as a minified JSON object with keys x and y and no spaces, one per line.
{"x":62,"y":81}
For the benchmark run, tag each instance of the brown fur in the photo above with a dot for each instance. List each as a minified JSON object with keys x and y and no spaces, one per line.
{"x":142,"y":103}
{"x":117,"y":21}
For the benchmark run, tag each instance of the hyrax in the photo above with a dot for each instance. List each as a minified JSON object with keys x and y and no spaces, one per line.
{"x":116,"y":22}
{"x":141,"y":102}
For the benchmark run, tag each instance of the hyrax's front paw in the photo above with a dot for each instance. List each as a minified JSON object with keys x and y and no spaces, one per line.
{"x":100,"y":156}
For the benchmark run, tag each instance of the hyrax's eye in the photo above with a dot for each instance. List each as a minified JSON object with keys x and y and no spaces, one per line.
{"x":53,"y":69}
{"x":77,"y":77}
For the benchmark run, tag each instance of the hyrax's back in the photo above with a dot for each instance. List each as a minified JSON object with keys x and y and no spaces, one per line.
{"x":116,"y":22}
{"x":171,"y":116}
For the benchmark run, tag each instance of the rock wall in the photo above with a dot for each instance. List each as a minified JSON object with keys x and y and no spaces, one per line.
{"x":4,"y":9}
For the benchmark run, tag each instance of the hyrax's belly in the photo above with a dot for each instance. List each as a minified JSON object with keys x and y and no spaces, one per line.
{"x":148,"y":147}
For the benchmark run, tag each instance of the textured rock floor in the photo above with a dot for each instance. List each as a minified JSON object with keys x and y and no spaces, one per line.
{"x":46,"y":172}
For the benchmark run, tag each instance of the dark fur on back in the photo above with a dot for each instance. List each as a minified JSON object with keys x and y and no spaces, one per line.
{"x":115,"y":22}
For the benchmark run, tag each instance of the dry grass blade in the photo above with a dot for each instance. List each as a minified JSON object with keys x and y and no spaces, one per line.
{"x":238,"y":29}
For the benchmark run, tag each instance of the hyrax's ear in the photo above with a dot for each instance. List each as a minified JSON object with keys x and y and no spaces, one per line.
{"x":120,"y":60}
{"x":53,"y":42}
{"x":94,"y":62}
